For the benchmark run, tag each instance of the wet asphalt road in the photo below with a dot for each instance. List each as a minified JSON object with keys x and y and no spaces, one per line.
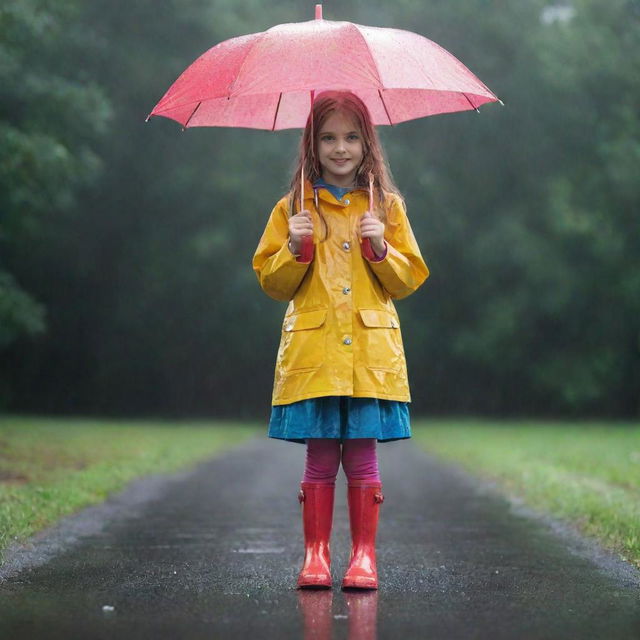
{"x":215,"y":554}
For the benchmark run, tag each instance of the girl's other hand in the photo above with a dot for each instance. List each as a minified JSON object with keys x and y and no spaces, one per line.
{"x":300,"y":226}
{"x":372,"y":228}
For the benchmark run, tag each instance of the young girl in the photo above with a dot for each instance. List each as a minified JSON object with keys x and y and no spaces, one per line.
{"x":341,"y":380}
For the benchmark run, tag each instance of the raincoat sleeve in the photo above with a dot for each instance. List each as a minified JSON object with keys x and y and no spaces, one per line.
{"x":402,"y":270}
{"x":278,"y":270}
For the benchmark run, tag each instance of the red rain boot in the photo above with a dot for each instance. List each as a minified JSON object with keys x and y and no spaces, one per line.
{"x":364,"y":499}
{"x":317,"y":517}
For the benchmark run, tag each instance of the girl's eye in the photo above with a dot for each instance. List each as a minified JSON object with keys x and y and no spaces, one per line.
{"x":353,"y":136}
{"x":327,"y":138}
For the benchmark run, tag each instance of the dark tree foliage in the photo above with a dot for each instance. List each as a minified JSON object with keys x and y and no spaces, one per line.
{"x":52,"y":113}
{"x":125,"y":277}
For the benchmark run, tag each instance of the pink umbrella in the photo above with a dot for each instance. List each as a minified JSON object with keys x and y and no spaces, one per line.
{"x":267,"y":80}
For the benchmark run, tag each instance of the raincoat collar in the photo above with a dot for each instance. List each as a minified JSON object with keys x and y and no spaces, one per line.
{"x":337,"y":192}
{"x":320,"y":190}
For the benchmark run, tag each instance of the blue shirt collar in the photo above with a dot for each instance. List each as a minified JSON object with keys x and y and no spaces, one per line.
{"x":337,"y":192}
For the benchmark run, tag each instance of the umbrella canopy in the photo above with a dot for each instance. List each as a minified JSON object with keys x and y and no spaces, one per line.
{"x":267,"y":80}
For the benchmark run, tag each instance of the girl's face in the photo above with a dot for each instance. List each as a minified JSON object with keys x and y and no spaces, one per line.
{"x":340,"y":149}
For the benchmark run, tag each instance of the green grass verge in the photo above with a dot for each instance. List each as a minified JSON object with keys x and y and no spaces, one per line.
{"x":587,"y":474}
{"x":50,"y":468}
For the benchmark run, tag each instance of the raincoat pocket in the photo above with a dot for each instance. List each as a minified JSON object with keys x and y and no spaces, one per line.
{"x":381,"y":343}
{"x":302,"y":343}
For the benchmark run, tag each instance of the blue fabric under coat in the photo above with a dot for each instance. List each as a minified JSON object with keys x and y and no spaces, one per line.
{"x":341,"y":417}
{"x":337,"y":192}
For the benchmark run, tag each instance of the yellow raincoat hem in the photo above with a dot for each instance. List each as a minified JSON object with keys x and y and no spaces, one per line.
{"x":331,"y":392}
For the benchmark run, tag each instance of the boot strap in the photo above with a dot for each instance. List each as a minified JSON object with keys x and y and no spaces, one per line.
{"x":301,"y":496}
{"x":378,"y":497}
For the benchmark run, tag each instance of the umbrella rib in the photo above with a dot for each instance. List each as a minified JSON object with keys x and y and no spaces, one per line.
{"x":384,"y":104}
{"x":473,"y":106}
{"x":186,"y":124}
{"x":275,"y":117}
{"x":473,"y":75}
{"x":250,"y":49}
{"x":371,"y":57}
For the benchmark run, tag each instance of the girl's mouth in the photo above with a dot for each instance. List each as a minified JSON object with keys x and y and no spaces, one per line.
{"x":341,"y":160}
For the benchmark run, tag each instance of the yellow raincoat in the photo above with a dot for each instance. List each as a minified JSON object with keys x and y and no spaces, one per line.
{"x":341,"y":333}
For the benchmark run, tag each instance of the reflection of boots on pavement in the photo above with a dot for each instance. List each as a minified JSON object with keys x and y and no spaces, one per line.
{"x":363,"y":614}
{"x":364,"y":497}
{"x":316,"y":614}
{"x":317,"y":516}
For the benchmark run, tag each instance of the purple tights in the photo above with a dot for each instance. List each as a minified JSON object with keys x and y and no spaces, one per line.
{"x":359,"y":460}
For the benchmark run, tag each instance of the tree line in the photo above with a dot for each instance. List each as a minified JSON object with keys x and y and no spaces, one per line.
{"x":125,"y":247}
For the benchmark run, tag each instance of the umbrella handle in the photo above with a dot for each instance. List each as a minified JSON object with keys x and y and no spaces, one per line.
{"x":307,"y":249}
{"x":367,"y":250}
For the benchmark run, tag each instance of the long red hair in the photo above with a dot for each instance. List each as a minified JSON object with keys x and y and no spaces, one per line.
{"x":373,"y":161}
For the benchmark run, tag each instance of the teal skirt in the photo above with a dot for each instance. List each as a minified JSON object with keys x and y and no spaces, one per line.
{"x":341,"y":417}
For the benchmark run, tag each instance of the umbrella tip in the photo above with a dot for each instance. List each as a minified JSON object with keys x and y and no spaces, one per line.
{"x":318,"y":12}
{"x":500,"y":101}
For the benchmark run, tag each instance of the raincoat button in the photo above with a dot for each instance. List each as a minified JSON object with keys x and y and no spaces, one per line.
{"x":288,"y":327}
{"x":394,"y":324}
{"x":347,"y":201}
{"x":347,"y":341}
{"x":346,"y":246}
{"x":346,"y":291}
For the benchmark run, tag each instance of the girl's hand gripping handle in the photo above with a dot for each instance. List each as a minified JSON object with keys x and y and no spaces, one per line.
{"x":301,"y":232}
{"x":372,"y":228}
{"x":372,"y":234}
{"x":367,"y":250}
{"x":365,"y":244}
{"x":301,"y":236}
